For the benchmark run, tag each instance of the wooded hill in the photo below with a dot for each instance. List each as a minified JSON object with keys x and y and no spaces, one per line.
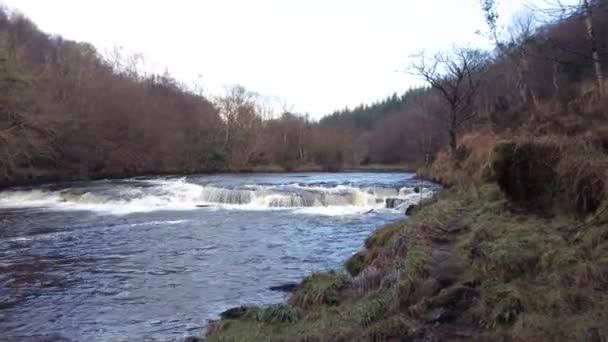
{"x":68,"y":112}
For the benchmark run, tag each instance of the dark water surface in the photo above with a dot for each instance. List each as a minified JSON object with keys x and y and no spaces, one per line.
{"x":154,"y":258}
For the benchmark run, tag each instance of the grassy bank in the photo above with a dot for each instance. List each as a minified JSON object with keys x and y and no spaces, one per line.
{"x":479,"y":262}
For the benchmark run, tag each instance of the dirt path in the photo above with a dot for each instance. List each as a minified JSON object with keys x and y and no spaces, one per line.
{"x":446,"y":317}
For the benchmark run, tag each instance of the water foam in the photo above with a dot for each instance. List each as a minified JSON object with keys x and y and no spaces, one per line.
{"x":179,"y":194}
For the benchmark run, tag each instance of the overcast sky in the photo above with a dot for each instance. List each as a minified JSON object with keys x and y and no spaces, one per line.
{"x":315,"y":55}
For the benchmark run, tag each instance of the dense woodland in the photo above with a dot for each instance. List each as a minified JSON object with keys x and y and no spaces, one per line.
{"x":68,"y":111}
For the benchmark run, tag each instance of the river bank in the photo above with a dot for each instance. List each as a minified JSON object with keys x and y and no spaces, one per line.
{"x":462,"y":268}
{"x":476,"y":263}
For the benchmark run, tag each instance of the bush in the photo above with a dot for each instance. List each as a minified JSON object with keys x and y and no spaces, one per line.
{"x":534,"y":171}
{"x":525,"y":171}
{"x":582,"y":177}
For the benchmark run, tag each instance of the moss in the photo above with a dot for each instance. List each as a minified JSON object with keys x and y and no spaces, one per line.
{"x":500,"y":158}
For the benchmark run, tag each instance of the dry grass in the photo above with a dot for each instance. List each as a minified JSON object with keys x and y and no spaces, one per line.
{"x":535,"y":172}
{"x":521,"y":275}
{"x":373,"y":244}
{"x":319,"y":289}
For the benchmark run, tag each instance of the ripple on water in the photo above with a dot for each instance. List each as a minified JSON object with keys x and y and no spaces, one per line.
{"x":159,"y":275}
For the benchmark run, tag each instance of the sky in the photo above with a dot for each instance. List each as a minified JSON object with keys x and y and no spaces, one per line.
{"x":313,"y":56}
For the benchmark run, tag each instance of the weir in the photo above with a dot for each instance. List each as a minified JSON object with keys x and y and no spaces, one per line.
{"x":181,"y":194}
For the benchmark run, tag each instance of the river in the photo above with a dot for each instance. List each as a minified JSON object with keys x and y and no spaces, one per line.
{"x":154,"y":258}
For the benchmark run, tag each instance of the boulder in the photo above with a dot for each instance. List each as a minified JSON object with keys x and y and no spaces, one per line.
{"x":392,"y":203}
{"x":235,"y":313}
{"x":411,"y":209}
{"x":193,"y":339}
{"x":287,"y":287}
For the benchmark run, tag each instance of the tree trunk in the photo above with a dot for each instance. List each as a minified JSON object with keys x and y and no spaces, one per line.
{"x":526,"y":91}
{"x":555,"y":78}
{"x":226,"y":136}
{"x":453,"y":140}
{"x":599,"y":76}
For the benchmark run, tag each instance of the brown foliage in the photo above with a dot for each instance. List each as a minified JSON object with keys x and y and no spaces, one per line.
{"x":67,"y":112}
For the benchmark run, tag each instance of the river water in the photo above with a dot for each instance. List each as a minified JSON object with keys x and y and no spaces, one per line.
{"x":154,"y":258}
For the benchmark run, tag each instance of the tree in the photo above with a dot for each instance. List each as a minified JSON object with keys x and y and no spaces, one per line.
{"x":516,"y":48}
{"x":457,"y":77}
{"x":244,"y":116}
{"x":595,"y":55}
{"x":558,"y":11}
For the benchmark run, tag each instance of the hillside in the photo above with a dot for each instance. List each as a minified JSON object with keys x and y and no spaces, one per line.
{"x":479,"y":263}
{"x":68,"y":111}
{"x":515,"y":248}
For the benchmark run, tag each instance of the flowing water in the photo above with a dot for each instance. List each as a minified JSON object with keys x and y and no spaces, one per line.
{"x":155,"y":258}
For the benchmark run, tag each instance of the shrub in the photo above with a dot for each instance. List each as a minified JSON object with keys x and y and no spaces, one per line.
{"x":525,"y":171}
{"x":582,"y":177}
{"x":534,"y":171}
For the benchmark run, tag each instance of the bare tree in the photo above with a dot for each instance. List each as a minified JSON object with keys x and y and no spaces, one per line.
{"x":558,"y":10}
{"x":457,"y":77}
{"x":595,"y":55}
{"x":244,"y":114}
{"x":515,"y":48}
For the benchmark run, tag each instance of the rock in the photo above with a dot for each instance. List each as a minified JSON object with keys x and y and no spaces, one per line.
{"x":193,"y":339}
{"x":417,"y":189}
{"x":411,"y":209}
{"x":454,"y":295}
{"x":202,"y":205}
{"x":235,"y":313}
{"x":437,"y":315}
{"x":392,"y":203}
{"x":287,"y":287}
